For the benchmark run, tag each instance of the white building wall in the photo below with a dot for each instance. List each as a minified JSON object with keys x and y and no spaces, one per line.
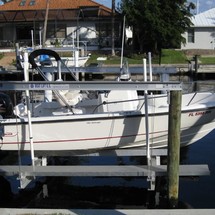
{"x":204,"y":39}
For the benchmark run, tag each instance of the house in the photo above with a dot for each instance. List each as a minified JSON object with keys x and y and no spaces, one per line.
{"x":69,"y":21}
{"x":202,"y":34}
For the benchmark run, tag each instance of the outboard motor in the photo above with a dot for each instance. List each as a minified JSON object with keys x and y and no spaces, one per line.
{"x":6,"y":106}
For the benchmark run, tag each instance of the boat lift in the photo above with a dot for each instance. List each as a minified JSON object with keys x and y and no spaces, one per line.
{"x":39,"y":167}
{"x":151,"y":170}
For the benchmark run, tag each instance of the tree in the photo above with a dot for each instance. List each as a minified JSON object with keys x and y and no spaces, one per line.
{"x":157,"y":24}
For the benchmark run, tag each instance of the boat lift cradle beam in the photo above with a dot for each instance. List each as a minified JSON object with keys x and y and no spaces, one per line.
{"x":89,"y":85}
{"x":101,"y":170}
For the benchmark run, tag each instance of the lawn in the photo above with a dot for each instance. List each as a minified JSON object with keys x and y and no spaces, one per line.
{"x":207,"y":60}
{"x":168,"y":57}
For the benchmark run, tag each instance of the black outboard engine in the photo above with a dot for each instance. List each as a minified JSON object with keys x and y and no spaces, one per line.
{"x":6,"y":106}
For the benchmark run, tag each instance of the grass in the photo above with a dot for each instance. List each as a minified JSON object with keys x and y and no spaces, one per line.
{"x":1,"y":55}
{"x":168,"y":57}
{"x":207,"y":60}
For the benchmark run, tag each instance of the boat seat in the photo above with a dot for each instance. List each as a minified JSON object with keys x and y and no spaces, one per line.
{"x":71,"y":97}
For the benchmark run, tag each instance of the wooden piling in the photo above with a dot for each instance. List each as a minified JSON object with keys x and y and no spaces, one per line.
{"x":174,"y":147}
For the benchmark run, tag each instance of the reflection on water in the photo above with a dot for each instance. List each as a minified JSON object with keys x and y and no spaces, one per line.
{"x":200,"y":193}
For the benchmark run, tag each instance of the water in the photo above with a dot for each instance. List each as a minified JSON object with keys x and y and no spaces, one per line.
{"x":200,"y":193}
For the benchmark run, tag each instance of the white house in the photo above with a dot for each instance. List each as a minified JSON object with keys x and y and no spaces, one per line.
{"x":202,"y":34}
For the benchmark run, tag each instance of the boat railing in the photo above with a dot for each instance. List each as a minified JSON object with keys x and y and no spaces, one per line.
{"x":194,"y":95}
{"x":151,"y":102}
{"x":139,"y":107}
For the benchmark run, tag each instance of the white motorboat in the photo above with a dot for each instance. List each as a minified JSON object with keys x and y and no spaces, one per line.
{"x":78,"y":120}
{"x":72,"y":60}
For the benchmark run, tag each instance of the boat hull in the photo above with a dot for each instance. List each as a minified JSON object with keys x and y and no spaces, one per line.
{"x":102,"y":131}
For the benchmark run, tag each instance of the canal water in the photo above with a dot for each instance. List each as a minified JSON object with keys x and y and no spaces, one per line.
{"x":199,"y":192}
{"x":196,"y":192}
{"x":110,"y":192}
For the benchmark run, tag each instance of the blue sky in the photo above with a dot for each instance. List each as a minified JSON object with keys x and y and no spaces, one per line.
{"x":106,"y":2}
{"x":203,"y":4}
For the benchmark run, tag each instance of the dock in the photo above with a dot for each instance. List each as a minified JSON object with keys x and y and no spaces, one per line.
{"x":15,"y":211}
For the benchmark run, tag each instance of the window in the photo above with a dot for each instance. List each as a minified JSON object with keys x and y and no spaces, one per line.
{"x":32,"y":2}
{"x":22,"y":3}
{"x":191,"y":35}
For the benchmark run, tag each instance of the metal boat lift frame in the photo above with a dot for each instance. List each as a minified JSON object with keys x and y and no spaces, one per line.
{"x":151,"y":170}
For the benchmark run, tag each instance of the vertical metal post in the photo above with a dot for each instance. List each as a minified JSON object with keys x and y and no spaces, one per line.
{"x":147,"y":128}
{"x":150,"y":66}
{"x":59,"y":70}
{"x":40,"y":38}
{"x":195,"y":75}
{"x":28,"y":109}
{"x":32,"y":39}
{"x":174,"y":147}
{"x":123,"y":41}
{"x":112,"y":28}
{"x":196,"y":63}
{"x":76,"y":59}
{"x":45,"y":23}
{"x":146,"y":115}
{"x":144,"y":70}
{"x":18,"y":59}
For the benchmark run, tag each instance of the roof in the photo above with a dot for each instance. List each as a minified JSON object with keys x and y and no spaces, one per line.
{"x":53,"y":4}
{"x":204,"y":19}
{"x":34,"y":10}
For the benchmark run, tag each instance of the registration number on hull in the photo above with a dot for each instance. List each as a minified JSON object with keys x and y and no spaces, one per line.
{"x":199,"y":113}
